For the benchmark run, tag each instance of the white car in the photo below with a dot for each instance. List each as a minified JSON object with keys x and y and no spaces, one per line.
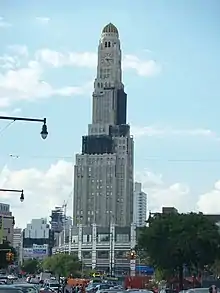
{"x":12,"y":277}
{"x":52,"y":285}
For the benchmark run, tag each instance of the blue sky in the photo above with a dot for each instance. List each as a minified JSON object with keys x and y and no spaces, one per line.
{"x":173,"y":106}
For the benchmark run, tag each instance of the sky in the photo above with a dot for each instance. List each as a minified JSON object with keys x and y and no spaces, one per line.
{"x":171,"y":69}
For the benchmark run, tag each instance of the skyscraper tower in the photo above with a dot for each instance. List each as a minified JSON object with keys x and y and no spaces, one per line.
{"x":103,"y":173}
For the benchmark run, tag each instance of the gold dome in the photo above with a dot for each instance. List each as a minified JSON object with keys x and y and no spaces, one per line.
{"x":110,"y":28}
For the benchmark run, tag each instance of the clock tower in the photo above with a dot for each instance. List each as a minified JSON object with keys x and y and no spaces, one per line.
{"x":109,"y":58}
{"x":103,"y":177}
{"x":109,"y":77}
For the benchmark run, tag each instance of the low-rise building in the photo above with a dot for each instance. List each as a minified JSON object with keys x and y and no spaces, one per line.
{"x":101,"y":248}
{"x":6,"y":223}
{"x":17,"y":238}
{"x":37,"y":239}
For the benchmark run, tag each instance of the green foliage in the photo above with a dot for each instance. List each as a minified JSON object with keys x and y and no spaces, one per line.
{"x":31,"y":266}
{"x":62,"y":264}
{"x":174,"y":240}
{"x":162,"y":274}
{"x":4,"y":249}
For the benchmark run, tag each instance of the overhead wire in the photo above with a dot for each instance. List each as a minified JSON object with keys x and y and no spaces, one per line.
{"x":153,"y":159}
{"x":41,"y":157}
{"x":197,"y":160}
{"x":6,"y":126}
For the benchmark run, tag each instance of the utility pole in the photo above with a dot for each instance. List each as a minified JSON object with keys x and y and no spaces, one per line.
{"x":111,"y":242}
{"x":70,"y":238}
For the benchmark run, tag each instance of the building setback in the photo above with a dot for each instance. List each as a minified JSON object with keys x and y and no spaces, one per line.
{"x":103,"y":173}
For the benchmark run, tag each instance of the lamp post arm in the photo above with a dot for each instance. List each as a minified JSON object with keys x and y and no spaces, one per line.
{"x":11,"y":190}
{"x":44,"y":120}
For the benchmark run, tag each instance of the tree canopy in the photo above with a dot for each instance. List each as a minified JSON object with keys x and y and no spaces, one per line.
{"x":4,"y":249}
{"x":173,"y":241}
{"x":62,"y":264}
{"x":31,"y":266}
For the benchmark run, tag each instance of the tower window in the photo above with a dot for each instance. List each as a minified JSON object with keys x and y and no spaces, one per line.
{"x":109,"y":44}
{"x":106,"y":44}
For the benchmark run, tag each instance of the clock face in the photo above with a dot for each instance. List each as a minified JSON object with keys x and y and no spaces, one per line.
{"x":108,"y":59}
{"x":108,"y":55}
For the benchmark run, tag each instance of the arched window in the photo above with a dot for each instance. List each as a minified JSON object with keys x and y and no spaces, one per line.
{"x":98,"y":84}
{"x":109,"y":44}
{"x":106,"y":44}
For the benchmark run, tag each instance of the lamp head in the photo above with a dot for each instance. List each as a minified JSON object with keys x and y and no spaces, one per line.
{"x":22,"y":196}
{"x":44,"y":132}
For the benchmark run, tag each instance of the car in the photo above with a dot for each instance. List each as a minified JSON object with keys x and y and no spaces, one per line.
{"x":27,"y":288}
{"x":12,"y":277}
{"x":47,"y":290}
{"x":53,"y":285}
{"x":199,"y":290}
{"x":9,"y":289}
{"x":34,"y":281}
{"x":4,"y":279}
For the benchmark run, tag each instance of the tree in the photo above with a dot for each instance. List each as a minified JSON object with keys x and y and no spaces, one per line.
{"x":174,"y":241}
{"x":62,"y":264}
{"x":31,"y":266}
{"x":4,"y":249}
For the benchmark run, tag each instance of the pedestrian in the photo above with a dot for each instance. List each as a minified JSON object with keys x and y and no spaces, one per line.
{"x":213,"y":289}
{"x":83,"y":289}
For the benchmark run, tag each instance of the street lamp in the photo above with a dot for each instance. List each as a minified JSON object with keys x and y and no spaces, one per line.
{"x":22,"y":196}
{"x":21,"y":191}
{"x":44,"y":132}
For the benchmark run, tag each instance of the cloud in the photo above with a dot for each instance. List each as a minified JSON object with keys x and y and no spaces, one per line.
{"x":177,"y":194}
{"x":3,"y":23}
{"x":21,"y":77}
{"x":46,"y":188}
{"x":142,"y":67}
{"x":27,"y":84}
{"x":58,"y":59}
{"x":19,"y":49}
{"x":10,"y":113}
{"x":151,"y":131}
{"x":43,"y":190}
{"x":9,"y":62}
{"x":89,"y":60}
{"x":209,"y":202}
{"x":43,"y":20}
{"x":161,"y":194}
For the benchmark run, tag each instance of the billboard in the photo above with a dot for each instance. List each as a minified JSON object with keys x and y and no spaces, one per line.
{"x":40,"y":251}
{"x":27,"y":252}
{"x":36,"y":251}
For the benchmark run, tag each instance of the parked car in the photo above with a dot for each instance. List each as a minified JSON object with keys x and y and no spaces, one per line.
{"x":27,"y":288}
{"x":9,"y":289}
{"x":12,"y":277}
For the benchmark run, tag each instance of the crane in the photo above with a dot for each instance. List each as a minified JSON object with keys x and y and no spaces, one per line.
{"x":64,"y":207}
{"x":65,"y":204}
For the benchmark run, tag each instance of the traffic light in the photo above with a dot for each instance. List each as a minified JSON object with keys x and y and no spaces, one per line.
{"x":10,"y":256}
{"x":132,"y":254}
